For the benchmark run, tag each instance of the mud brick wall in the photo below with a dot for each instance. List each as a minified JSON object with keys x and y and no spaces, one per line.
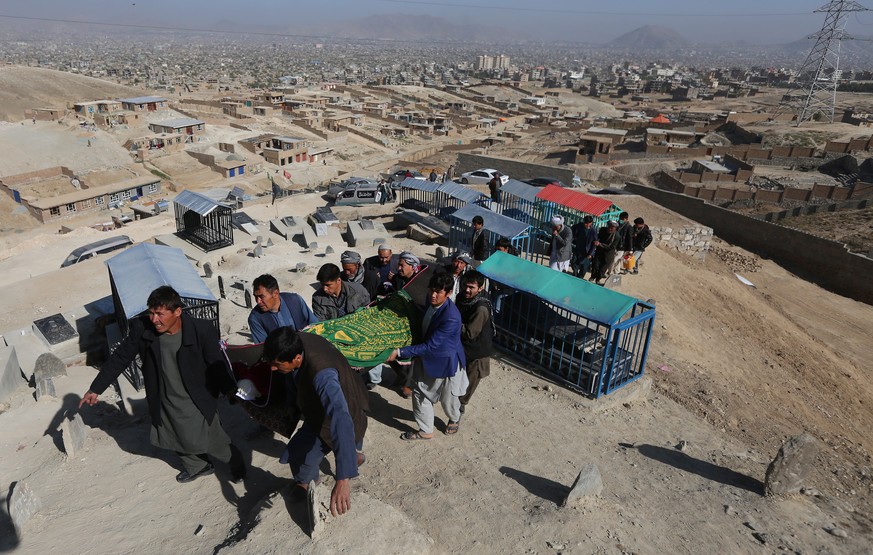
{"x":843,"y":273}
{"x":516,"y":170}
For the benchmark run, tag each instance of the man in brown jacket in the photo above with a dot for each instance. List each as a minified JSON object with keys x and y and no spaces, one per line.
{"x":477,"y":330}
{"x":333,"y":403}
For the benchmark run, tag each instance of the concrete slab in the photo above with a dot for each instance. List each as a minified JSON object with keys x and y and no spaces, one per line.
{"x":251,"y":229}
{"x":11,"y":379}
{"x":367,"y":233}
{"x":279,"y":228}
{"x":310,"y":239}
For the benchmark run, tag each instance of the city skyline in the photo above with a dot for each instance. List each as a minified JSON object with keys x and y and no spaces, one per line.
{"x":779,"y":21}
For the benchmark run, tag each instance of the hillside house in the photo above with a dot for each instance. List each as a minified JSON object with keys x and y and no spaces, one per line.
{"x":182,"y":126}
{"x":144,"y":103}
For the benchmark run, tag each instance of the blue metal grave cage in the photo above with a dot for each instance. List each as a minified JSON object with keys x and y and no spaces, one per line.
{"x":592,"y":339}
{"x":518,"y":200}
{"x":139,"y":270}
{"x":419,"y":195}
{"x":495,"y":226}
{"x":436,"y":199}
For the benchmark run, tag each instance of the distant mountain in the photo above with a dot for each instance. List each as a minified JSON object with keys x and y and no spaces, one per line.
{"x":651,"y":37}
{"x":425,"y":27}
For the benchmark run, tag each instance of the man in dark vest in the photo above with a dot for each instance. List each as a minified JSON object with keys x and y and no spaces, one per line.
{"x":332,"y":401}
{"x":184,"y":371}
{"x":477,"y":330}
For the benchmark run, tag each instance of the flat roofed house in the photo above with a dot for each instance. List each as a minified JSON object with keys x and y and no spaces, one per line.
{"x":182,"y":126}
{"x":144,"y":103}
{"x":91,"y":199}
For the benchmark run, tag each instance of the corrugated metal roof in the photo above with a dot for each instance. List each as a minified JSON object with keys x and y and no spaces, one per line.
{"x":458,"y":191}
{"x":143,"y":99}
{"x":197,"y":202}
{"x":420,"y":185}
{"x":582,"y":297}
{"x":494,"y":222}
{"x":142,"y":268}
{"x":575,"y":200}
{"x":176,"y":123}
{"x":521,"y":190}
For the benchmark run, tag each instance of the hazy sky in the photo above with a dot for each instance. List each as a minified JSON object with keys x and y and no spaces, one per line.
{"x":697,"y":20}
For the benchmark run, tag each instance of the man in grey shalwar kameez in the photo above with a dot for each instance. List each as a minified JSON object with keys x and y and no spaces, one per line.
{"x":184,"y":370}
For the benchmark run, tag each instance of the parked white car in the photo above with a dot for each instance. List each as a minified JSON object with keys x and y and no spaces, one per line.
{"x":482,"y":177}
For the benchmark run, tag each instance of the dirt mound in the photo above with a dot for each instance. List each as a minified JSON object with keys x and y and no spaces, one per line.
{"x":23,"y":88}
{"x":736,"y":261}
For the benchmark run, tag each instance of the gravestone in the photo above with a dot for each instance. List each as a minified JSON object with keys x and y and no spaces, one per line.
{"x":10,"y":373}
{"x":74,"y":434}
{"x":301,"y":266}
{"x":54,"y":329}
{"x":328,"y":250}
{"x":221,"y":287}
{"x":45,"y":387}
{"x":588,"y":484}
{"x":23,"y":503}
{"x":259,"y":240}
{"x":259,"y":251}
{"x":269,"y":242}
{"x":315,"y":521}
{"x":789,"y":469}
{"x":248,"y":299}
{"x":48,"y":365}
{"x":207,"y":269}
{"x":441,"y":253}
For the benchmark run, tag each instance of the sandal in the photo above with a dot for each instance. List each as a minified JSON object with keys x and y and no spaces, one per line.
{"x":406,"y":392}
{"x":452,"y":427}
{"x":409,"y":436}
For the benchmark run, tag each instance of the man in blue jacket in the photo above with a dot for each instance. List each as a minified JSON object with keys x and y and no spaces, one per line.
{"x":276,"y":310}
{"x":438,"y":370}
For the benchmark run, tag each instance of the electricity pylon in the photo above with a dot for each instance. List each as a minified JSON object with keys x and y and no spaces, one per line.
{"x":814,"y":93}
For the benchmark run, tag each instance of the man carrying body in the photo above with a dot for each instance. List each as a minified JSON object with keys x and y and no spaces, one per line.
{"x":336,"y":298}
{"x":184,"y":370}
{"x":331,"y":400}
{"x":438,"y":373}
{"x":479,"y":242}
{"x":384,"y":263}
{"x":461,"y":262}
{"x":276,"y":310}
{"x":561,"y":246}
{"x":477,"y":331}
{"x":354,"y":272}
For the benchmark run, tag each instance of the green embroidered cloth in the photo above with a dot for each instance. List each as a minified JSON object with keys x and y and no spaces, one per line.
{"x":367,"y":336}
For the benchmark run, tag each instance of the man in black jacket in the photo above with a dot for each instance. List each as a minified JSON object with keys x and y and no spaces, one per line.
{"x":625,"y":243}
{"x":477,"y":330}
{"x":641,"y":238}
{"x":184,"y":371}
{"x":479,"y":241}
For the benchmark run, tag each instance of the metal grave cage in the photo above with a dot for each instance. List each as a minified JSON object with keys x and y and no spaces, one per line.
{"x":203,"y":221}
{"x":495,"y":226}
{"x":592,"y":339}
{"x":139,"y":270}
{"x":437,"y":199}
{"x":573,"y":206}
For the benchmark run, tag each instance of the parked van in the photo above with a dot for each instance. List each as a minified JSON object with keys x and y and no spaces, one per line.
{"x":98,"y":247}
{"x":361,"y":193}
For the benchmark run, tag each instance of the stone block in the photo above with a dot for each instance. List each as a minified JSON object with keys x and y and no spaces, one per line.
{"x":588,"y":484}
{"x":74,"y":433}
{"x":23,"y":503}
{"x":45,"y":387}
{"x":11,"y":379}
{"x":789,"y":469}
{"x":48,"y":366}
{"x":54,"y":330}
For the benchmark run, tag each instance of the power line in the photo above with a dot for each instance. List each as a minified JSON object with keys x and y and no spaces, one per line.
{"x":587,"y":12}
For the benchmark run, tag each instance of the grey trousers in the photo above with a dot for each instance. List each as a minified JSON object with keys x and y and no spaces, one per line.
{"x":219,"y":448}
{"x":426,"y":391}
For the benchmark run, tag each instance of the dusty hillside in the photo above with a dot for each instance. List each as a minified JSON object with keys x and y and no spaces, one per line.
{"x":852,"y":227}
{"x":22,"y":88}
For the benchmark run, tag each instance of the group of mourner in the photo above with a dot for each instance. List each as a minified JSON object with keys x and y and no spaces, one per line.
{"x":185,"y":368}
